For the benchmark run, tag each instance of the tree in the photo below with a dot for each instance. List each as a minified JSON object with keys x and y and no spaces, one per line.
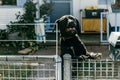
{"x":46,"y":8}
{"x":8,"y":2}
{"x":116,"y":5}
{"x":26,"y":31}
{"x":29,"y":17}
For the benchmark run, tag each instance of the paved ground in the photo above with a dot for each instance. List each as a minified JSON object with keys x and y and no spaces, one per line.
{"x":92,"y":42}
{"x":100,"y":49}
{"x":51,"y":50}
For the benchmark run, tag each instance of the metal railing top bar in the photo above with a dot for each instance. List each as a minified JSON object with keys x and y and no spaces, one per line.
{"x":26,"y":57}
{"x":91,"y":60}
{"x":43,"y":69}
{"x":30,"y":56}
{"x":31,"y":24}
{"x":27,"y":40}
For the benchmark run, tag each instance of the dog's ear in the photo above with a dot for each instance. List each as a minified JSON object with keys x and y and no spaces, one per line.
{"x":57,"y":21}
{"x":61,"y":23}
{"x":78,"y":27}
{"x":56,"y":24}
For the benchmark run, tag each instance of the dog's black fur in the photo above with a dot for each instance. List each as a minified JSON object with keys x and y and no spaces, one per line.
{"x":70,"y":41}
{"x":63,"y":23}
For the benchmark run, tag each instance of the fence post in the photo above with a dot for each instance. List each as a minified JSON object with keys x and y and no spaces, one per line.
{"x":67,"y":67}
{"x":119,"y":72}
{"x":59,"y":68}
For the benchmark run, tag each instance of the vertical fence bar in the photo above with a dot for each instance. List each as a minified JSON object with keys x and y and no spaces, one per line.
{"x":32,"y":72}
{"x":100,"y":69}
{"x":26,"y":71}
{"x":107,"y":68}
{"x":94,"y":70}
{"x":0,"y":76}
{"x":57,"y":76}
{"x":59,"y":71}
{"x":113,"y":70}
{"x":38,"y":71}
{"x":3,"y":72}
{"x":101,"y":27}
{"x":115,"y":22}
{"x":21,"y":72}
{"x":77,"y":70}
{"x":89,"y":69}
{"x":108,"y":27}
{"x":81,"y":16}
{"x":119,"y":72}
{"x":8,"y":69}
{"x":14,"y":71}
{"x":49,"y":71}
{"x":83,"y":69}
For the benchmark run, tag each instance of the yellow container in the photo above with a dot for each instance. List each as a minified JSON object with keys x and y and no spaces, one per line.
{"x":91,"y":7}
{"x":95,"y":7}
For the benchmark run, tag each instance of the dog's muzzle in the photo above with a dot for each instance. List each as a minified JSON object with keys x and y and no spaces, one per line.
{"x":72,"y":33}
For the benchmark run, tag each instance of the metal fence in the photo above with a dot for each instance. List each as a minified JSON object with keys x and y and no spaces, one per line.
{"x":113,"y":25}
{"x":95,"y":70}
{"x":28,"y":68}
{"x":49,"y":68}
{"x":34,"y":67}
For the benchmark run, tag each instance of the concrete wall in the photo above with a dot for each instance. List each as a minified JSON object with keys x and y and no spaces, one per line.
{"x":114,"y":19}
{"x":7,"y":14}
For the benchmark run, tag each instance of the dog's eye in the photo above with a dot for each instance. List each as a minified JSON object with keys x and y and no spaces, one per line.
{"x":72,"y":26}
{"x":69,"y":29}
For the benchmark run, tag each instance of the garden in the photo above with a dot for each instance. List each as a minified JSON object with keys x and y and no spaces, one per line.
{"x":18,"y":36}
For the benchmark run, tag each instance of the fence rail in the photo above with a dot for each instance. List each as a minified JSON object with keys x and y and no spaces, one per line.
{"x":90,"y":69}
{"x":95,"y":70}
{"x":28,"y":68}
{"x":48,"y":68}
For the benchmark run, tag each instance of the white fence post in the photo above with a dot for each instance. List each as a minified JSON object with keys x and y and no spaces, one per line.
{"x":119,"y":72}
{"x":59,"y":68}
{"x":67,"y":67}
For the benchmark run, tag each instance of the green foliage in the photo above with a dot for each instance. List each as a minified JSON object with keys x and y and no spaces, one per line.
{"x":3,"y":34}
{"x":9,"y":2}
{"x":46,"y":8}
{"x":25,"y":31}
{"x":116,"y":5}
{"x":28,"y":31}
{"x":30,"y":10}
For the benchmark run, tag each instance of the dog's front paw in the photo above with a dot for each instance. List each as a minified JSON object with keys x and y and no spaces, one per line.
{"x":96,"y":56}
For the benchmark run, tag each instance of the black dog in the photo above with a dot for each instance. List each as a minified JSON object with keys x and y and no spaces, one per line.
{"x":70,"y":41}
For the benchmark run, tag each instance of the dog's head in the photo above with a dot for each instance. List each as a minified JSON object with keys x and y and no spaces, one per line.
{"x":68,"y":26}
{"x":71,"y":27}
